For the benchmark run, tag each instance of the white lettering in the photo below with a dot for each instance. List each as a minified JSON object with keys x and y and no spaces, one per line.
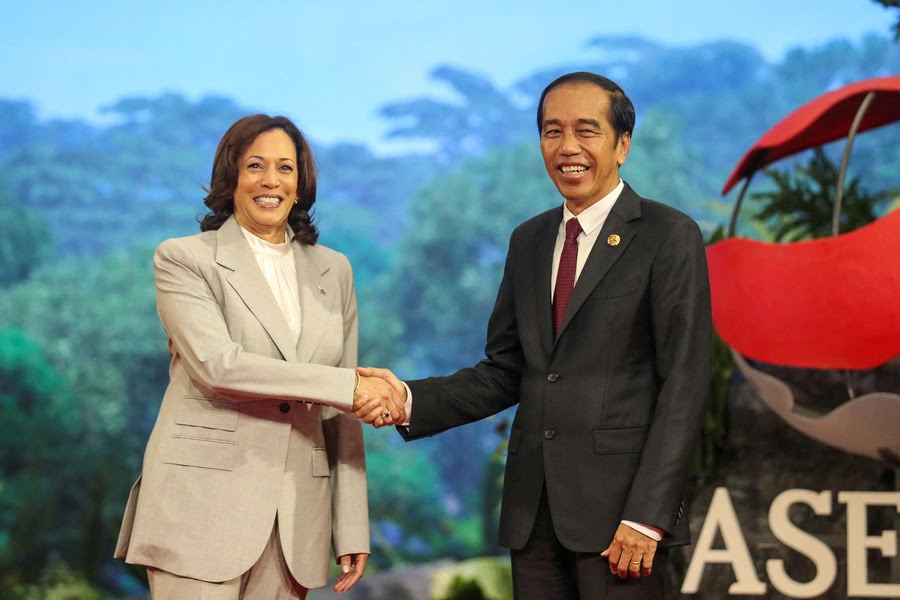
{"x":858,"y":543}
{"x":721,"y":518}
{"x":795,"y":538}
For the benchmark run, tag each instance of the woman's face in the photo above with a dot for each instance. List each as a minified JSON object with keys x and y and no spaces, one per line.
{"x":267,"y":185}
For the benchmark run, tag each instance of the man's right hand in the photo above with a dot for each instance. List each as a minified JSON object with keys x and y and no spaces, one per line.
{"x":378,"y":403}
{"x":398,"y":392}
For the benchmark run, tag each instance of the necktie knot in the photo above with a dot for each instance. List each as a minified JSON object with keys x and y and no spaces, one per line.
{"x":573,"y":228}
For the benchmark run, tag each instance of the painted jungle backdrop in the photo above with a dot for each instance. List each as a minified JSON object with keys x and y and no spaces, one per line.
{"x":83,"y":360}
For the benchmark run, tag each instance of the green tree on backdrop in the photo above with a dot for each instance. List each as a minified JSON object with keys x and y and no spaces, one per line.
{"x":801,"y":205}
{"x":485,"y":118}
{"x":94,"y":322}
{"x":41,"y":433}
{"x":23,"y":241}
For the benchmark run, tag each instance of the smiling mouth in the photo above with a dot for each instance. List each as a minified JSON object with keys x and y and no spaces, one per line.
{"x":573,"y":169}
{"x":267,"y":201}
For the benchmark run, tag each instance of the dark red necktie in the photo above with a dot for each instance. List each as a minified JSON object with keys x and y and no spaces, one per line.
{"x":565,"y":275}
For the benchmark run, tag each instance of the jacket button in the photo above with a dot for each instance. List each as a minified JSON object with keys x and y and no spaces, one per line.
{"x":552,"y":377}
{"x":549,"y":434}
{"x":284,"y":407}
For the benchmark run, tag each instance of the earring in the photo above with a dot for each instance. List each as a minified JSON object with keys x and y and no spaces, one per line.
{"x":297,"y":199}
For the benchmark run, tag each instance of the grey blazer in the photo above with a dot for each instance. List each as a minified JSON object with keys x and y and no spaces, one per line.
{"x":251,"y":424}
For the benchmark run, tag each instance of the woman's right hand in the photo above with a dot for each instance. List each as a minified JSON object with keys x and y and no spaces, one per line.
{"x":378,"y":403}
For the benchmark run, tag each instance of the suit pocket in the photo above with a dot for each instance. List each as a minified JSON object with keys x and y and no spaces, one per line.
{"x":320,"y":463}
{"x":197,"y":452}
{"x":197,"y":411}
{"x":619,"y":440}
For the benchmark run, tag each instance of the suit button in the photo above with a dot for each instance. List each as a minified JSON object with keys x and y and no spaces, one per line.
{"x":552,"y":377}
{"x":284,"y":407}
{"x":549,"y":434}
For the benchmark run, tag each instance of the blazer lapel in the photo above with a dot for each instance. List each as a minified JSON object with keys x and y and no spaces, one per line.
{"x":233,"y":252}
{"x":604,"y":253}
{"x":544,"y":243}
{"x":318,"y":294}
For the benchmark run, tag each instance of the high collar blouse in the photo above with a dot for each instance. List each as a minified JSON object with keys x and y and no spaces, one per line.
{"x":277,"y":264}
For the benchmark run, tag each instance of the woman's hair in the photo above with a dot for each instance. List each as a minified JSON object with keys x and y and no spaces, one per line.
{"x":223,"y":182}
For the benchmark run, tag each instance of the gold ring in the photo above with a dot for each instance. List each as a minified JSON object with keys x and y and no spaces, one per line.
{"x":386,"y":414}
{"x":635,"y":562}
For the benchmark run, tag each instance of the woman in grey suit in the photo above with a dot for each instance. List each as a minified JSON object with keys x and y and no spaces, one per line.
{"x":254,"y":467}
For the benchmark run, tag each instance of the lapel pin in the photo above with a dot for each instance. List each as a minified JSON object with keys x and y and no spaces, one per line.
{"x":613,"y":240}
{"x":321,"y":291}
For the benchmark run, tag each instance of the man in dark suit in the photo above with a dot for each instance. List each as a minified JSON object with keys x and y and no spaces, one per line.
{"x":601,"y":334}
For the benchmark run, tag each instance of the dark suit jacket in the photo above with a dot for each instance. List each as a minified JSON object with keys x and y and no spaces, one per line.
{"x":610,"y":411}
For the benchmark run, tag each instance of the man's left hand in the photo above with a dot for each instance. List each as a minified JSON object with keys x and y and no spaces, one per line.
{"x":631,"y":553}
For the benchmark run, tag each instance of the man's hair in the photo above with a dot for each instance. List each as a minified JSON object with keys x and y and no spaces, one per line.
{"x":621,"y":110}
{"x":223,"y":181}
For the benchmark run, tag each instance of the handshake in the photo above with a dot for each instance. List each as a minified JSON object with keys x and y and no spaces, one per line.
{"x":380,"y":398}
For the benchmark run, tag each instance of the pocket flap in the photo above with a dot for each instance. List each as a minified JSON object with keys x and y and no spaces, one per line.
{"x":211,"y":414}
{"x":194,"y":452}
{"x":320,"y":463}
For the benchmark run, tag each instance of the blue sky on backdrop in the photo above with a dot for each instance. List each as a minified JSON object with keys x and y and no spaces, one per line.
{"x":330,"y":64}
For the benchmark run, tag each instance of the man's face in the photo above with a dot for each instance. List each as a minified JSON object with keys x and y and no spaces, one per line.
{"x":580,"y":149}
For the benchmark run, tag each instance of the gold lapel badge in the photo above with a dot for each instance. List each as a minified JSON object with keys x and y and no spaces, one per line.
{"x":613,"y":240}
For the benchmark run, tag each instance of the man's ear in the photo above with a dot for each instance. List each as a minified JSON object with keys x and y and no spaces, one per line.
{"x":623,"y":145}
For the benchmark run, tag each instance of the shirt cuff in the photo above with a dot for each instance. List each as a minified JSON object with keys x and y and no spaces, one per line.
{"x":408,"y":406}
{"x":651,"y":532}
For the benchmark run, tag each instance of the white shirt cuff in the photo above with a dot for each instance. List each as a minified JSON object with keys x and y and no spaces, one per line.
{"x":650,"y":533}
{"x":407,"y":406}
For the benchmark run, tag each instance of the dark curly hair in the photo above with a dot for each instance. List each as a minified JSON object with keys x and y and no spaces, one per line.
{"x":234,"y":143}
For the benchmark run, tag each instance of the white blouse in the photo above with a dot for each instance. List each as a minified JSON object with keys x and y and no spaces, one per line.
{"x":277,"y":264}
